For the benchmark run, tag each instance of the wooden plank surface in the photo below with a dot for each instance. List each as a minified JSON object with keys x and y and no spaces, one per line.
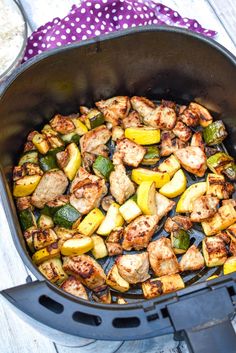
{"x":15,"y":335}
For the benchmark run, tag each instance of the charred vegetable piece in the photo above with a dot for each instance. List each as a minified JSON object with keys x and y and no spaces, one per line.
{"x":214,"y":133}
{"x":229,"y":265}
{"x":219,"y":162}
{"x":47,"y":253}
{"x":94,"y":119}
{"x":115,"y":281}
{"x":143,"y":135}
{"x":25,"y":186}
{"x":165,"y":284}
{"x":151,"y":156}
{"x":170,"y":165}
{"x":217,"y":186}
{"x":91,"y":222}
{"x":214,"y":251}
{"x":27,"y":219}
{"x":103,"y":167}
{"x":176,"y":186}
{"x":43,"y":238}
{"x":29,"y":157}
{"x":53,"y":271}
{"x":41,"y":143}
{"x":77,"y":246}
{"x":72,"y":137}
{"x":45,"y":222}
{"x":47,"y":162}
{"x":180,"y":240}
{"x":130,"y":210}
{"x":230,"y":171}
{"x":73,"y":160}
{"x":185,"y":203}
{"x":66,"y":216}
{"x":99,"y":249}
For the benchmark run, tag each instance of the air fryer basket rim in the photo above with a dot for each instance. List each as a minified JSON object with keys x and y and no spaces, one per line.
{"x":6,"y":194}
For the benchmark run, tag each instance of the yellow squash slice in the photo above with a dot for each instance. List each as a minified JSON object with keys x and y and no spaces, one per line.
{"x":143,"y":135}
{"x":112,"y":220}
{"x":25,"y":186}
{"x":139,"y":175}
{"x":91,"y":222}
{"x":74,"y":161}
{"x":47,"y":253}
{"x":176,"y":186}
{"x":146,"y":197}
{"x":76,"y":246}
{"x":130,"y":210}
{"x":99,"y":247}
{"x":185,"y":203}
{"x":229,"y":265}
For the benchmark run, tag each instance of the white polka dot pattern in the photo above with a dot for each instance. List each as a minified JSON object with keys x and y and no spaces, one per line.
{"x":98,"y":17}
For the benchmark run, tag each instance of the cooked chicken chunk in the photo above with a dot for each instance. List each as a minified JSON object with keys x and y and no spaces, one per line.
{"x":62,"y":124}
{"x":142,"y":105}
{"x":193,"y":159}
{"x":162,"y":257}
{"x":90,"y":141}
{"x":177,"y":222}
{"x":224,"y":236}
{"x":116,"y":235}
{"x":75,"y":287}
{"x":192,"y":260}
{"x":189,"y":117}
{"x":138,"y":233}
{"x":197,"y":140}
{"x":183,"y":132}
{"x":232,"y":247}
{"x":87,"y":191}
{"x":204,"y":207}
{"x":87,"y":270}
{"x":133,"y":268}
{"x":52,"y":184}
{"x":114,"y":249}
{"x":114,"y":109}
{"x":128,"y":152}
{"x":169,"y":144}
{"x":164,"y":205}
{"x":22,"y":203}
{"x":132,"y":120}
{"x":230,"y":201}
{"x":121,"y":187}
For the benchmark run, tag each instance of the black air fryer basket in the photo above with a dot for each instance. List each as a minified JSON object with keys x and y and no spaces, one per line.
{"x":158,"y":63}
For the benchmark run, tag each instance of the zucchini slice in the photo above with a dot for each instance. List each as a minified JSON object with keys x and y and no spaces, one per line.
{"x":66,"y":216}
{"x":47,"y":253}
{"x":47,"y":162}
{"x":43,"y":238}
{"x":214,"y":133}
{"x":41,"y":143}
{"x":103,"y":167}
{"x":25,"y":186}
{"x":94,"y":119}
{"x":99,"y":247}
{"x":45,"y":222}
{"x":219,"y":162}
{"x":27,"y":219}
{"x":151,"y":156}
{"x":53,"y":271}
{"x":31,"y":156}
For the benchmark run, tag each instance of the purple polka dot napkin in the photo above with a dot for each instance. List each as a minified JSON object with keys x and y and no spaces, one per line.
{"x":96,"y":17}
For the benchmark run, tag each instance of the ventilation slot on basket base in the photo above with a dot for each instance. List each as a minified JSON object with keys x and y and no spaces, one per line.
{"x":87,"y":319}
{"x":126,"y":322}
{"x":51,"y":304}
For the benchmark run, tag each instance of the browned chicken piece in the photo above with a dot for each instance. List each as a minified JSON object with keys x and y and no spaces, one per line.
{"x":181,"y":109}
{"x":224,"y":236}
{"x":43,"y":238}
{"x":197,"y":140}
{"x":177,"y":222}
{"x":29,"y":146}
{"x":31,"y":135}
{"x":162,"y":258}
{"x":232,"y":247}
{"x":192,"y":260}
{"x":114,"y":109}
{"x":128,"y":152}
{"x":169,"y":144}
{"x":84,"y":110}
{"x":204,"y":207}
{"x":133,"y":268}
{"x":132,"y":120}
{"x":60,"y":200}
{"x":52,"y":184}
{"x":101,"y":150}
{"x":114,"y":249}
{"x":203,"y":114}
{"x":121,"y":187}
{"x":139,"y":232}
{"x":231,"y":231}
{"x":161,"y":116}
{"x":117,"y":133}
{"x":86,"y":270}
{"x":230,"y":201}
{"x":88,"y":160}
{"x":169,"y":104}
{"x":62,"y":124}
{"x":106,"y":202}
{"x":164,"y":205}
{"x":90,"y":141}
{"x":87,"y":191}
{"x":193,"y":159}
{"x":74,"y":287}
{"x":116,"y":235}
{"x":24,"y":203}
{"x":189,"y":117}
{"x":182,"y":131}
{"x":142,"y":105}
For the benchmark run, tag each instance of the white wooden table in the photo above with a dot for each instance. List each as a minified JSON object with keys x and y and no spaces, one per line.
{"x":15,"y":335}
